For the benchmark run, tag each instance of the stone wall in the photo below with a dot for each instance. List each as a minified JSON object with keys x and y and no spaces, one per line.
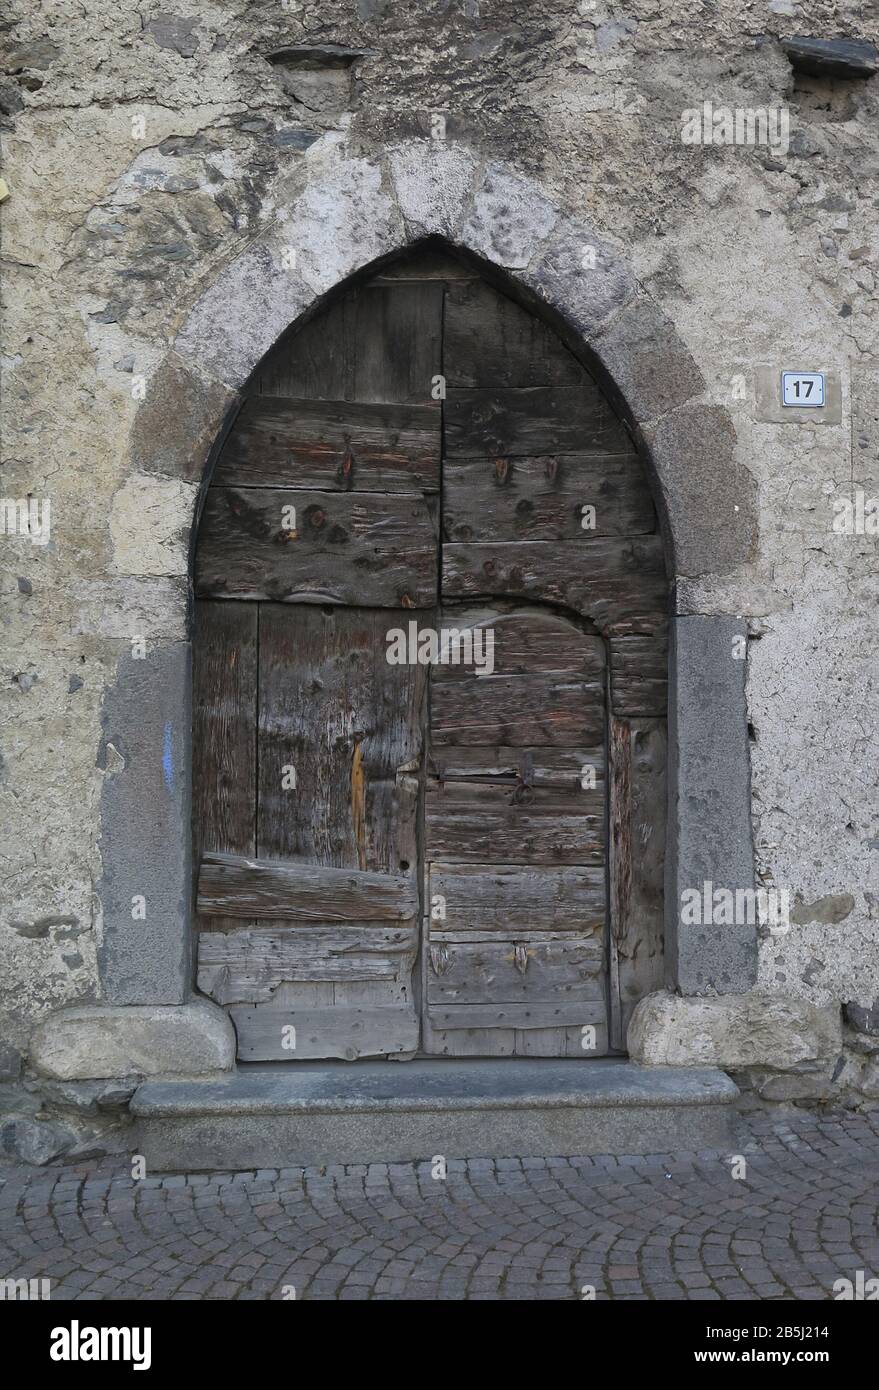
{"x":145,"y":149}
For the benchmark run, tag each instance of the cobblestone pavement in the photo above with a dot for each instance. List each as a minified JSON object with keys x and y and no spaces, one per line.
{"x":665,"y":1227}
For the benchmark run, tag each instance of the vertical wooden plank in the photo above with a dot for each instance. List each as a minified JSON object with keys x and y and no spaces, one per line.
{"x":317,"y":361}
{"x":224,"y":733}
{"x":637,"y":855}
{"x":398,"y":348}
{"x":332,"y":709}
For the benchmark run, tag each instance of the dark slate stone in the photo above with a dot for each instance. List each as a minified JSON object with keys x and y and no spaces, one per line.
{"x":172,"y":32}
{"x":10,"y":1062}
{"x":862,"y":1019}
{"x":289,"y":139}
{"x":145,"y":835}
{"x":832,"y":57}
{"x":710,"y":836}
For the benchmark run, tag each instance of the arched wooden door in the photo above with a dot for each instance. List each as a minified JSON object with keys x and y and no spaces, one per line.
{"x":456,"y":856}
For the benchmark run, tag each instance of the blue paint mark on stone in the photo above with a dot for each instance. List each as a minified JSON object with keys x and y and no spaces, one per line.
{"x":167,"y":757}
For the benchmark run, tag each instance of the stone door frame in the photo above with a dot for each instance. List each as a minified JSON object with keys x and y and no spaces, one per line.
{"x":337,"y":216}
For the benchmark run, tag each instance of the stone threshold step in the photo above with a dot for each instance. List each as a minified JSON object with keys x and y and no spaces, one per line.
{"x":302,"y":1113}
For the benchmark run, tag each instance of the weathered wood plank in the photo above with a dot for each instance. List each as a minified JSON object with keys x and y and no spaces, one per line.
{"x":244,"y":887}
{"x":568,"y":497}
{"x":333,"y":709}
{"x":224,"y":730}
{"x":541,"y":1015}
{"x":637,"y":861}
{"x":516,"y":711}
{"x":532,"y":420}
{"x":523,"y":639}
{"x":249,"y":966}
{"x":500,"y":972}
{"x":491,"y":341}
{"x":340,"y":1032}
{"x":489,"y":824}
{"x":363,"y":549}
{"x":332,"y":446}
{"x":619,"y":584}
{"x":398,"y":342}
{"x":316,"y":362}
{"x":501,"y":898}
{"x":639,"y":676}
{"x":571,"y":769}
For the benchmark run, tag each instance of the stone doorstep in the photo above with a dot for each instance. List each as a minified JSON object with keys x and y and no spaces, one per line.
{"x":300,"y":1114}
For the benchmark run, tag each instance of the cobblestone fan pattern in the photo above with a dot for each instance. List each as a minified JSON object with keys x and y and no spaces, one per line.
{"x":663,"y":1227}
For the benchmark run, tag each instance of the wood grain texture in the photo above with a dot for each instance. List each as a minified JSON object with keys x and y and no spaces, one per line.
{"x":485,"y":973}
{"x":503,"y":898}
{"x":619,"y":584}
{"x":639,"y":676}
{"x":516,"y":711}
{"x":364,"y":549}
{"x":492,"y":341}
{"x":500,"y":825}
{"x":234,"y":886}
{"x":329,"y":697}
{"x":398,"y":342}
{"x":524,"y":639}
{"x":567,"y":768}
{"x":248,"y":966}
{"x":573,"y":1014}
{"x":332,"y":446}
{"x":510,"y":1042}
{"x":345,"y":1032}
{"x":531,"y":420}
{"x":637,"y":860}
{"x":315,"y":361}
{"x":224,"y":760}
{"x":562,"y":497}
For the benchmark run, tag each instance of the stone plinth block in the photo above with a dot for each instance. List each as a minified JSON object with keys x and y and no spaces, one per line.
{"x":732,"y":1031}
{"x":148,"y":1040}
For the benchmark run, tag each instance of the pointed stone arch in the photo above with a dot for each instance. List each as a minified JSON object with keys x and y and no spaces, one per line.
{"x":336,"y":217}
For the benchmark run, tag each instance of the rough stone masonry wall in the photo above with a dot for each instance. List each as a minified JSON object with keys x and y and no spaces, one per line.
{"x":114,"y":225}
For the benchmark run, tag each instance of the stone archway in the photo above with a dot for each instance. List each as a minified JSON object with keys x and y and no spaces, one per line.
{"x":337,"y":215}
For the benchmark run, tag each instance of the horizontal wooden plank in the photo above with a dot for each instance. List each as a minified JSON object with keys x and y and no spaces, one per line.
{"x":499,"y":898}
{"x":489,"y":824}
{"x":352,"y":548}
{"x":619,"y":584}
{"x":491,"y":341}
{"x":332,"y":446}
{"x":510,"y":1042}
{"x":563,"y":1015}
{"x":516,"y":710}
{"x":531,"y":420}
{"x":571,"y":769}
{"x":235,"y":886}
{"x":523,"y":638}
{"x":496,"y":930}
{"x":639,"y":676}
{"x":335,"y":1031}
{"x":249,"y":965}
{"x":552,"y":972}
{"x":566,"y":497}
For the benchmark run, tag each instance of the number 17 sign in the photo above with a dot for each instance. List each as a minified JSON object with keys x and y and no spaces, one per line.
{"x":802,"y":388}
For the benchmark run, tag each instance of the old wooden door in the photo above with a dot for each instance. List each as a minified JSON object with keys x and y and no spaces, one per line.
{"x":395,"y":856}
